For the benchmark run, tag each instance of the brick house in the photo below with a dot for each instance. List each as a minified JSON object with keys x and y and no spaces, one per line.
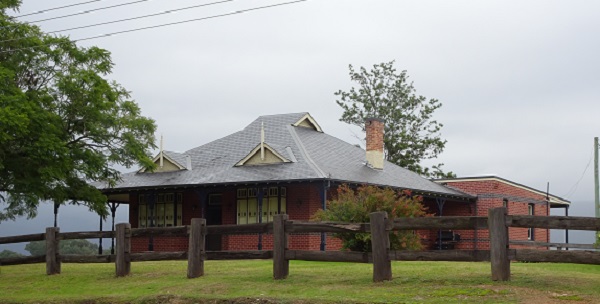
{"x":286,"y":164}
{"x":492,"y":192}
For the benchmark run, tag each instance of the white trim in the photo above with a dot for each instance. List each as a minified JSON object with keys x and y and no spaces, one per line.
{"x":311,"y":120}
{"x":553,"y":198}
{"x":256,"y":150}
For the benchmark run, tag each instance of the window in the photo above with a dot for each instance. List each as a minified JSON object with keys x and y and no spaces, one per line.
{"x":247,"y":206}
{"x":165,"y":212}
{"x":530,"y":211}
{"x":273,"y":203}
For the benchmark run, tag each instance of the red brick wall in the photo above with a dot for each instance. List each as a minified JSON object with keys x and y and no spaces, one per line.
{"x":302,"y":201}
{"x":490,"y":195}
{"x":161,"y":243}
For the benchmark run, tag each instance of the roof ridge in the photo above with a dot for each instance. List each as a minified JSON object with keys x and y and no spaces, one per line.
{"x":304,"y":153}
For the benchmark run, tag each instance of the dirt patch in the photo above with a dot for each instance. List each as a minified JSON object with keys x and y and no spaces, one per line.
{"x":183,"y":300}
{"x":534,"y":296}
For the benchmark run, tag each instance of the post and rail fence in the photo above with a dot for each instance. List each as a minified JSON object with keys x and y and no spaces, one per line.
{"x":497,"y":222}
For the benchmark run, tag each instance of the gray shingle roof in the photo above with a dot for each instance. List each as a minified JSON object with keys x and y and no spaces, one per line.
{"x":314,"y":155}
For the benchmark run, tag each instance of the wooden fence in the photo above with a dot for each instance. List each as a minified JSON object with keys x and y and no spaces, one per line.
{"x":379,"y":227}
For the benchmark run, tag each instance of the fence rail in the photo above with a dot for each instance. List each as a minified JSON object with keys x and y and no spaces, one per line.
{"x":558,"y":246}
{"x":379,"y":227}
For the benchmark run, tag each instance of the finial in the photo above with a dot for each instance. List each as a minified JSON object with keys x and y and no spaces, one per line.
{"x":161,"y":150}
{"x":262,"y":140}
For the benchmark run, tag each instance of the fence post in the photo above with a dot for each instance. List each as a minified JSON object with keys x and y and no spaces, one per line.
{"x":281,"y":266}
{"x":380,"y":244}
{"x":123,"y":259}
{"x":499,"y":244}
{"x":52,"y":252}
{"x":196,"y":248}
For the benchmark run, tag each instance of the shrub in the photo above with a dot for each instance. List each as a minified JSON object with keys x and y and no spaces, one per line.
{"x":354,"y":206}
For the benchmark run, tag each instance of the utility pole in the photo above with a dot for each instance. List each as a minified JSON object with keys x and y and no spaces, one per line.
{"x":596,"y":193}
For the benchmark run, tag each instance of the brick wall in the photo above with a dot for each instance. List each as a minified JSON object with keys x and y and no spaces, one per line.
{"x":491,"y":194}
{"x":303,"y":200}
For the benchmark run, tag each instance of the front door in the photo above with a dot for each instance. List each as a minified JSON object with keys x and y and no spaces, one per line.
{"x":213,"y":217}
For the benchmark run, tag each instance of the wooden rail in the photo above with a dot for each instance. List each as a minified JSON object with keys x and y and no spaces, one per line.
{"x":559,"y":246}
{"x":379,"y":227}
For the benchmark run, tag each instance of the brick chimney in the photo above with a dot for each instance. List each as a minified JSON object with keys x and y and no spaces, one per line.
{"x":374,"y":128}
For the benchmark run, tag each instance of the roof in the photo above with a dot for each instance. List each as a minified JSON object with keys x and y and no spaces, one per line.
{"x":313,"y":155}
{"x":554,"y":200}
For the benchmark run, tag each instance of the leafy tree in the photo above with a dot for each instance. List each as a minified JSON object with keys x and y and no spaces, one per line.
{"x":354,"y":206}
{"x":411,"y":133}
{"x":36,"y":248}
{"x":9,"y":254}
{"x":64,"y":124}
{"x":65,"y":247}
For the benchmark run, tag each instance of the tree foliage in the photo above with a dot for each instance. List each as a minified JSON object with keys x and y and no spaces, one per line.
{"x":84,"y":247}
{"x":64,"y":124}
{"x":354,"y":206}
{"x":9,"y":254}
{"x":411,"y":133}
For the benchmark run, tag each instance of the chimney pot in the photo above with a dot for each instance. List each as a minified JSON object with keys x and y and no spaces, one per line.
{"x":374,"y":128}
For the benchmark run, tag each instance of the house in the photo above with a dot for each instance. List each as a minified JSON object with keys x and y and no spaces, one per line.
{"x":492,"y":192}
{"x":286,"y":164}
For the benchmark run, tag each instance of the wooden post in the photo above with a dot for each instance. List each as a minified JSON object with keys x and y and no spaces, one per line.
{"x":196,"y":248}
{"x":380,"y":243}
{"x":52,"y":252}
{"x":123,"y":259}
{"x":499,"y":244}
{"x":281,"y":266}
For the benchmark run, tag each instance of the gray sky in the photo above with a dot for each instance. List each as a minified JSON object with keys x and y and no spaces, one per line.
{"x":518,"y":79}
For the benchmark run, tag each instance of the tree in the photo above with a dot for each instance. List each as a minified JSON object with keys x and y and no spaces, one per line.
{"x":84,"y":247}
{"x":411,"y":134}
{"x":354,"y":206}
{"x":9,"y":254}
{"x":64,"y":125}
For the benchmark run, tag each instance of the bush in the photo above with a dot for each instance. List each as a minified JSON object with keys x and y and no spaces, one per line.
{"x":354,"y":206}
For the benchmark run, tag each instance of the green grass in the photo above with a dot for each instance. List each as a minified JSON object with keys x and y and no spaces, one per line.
{"x":309,"y":282}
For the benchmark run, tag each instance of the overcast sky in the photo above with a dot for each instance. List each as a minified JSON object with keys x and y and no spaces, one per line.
{"x":519,"y":80}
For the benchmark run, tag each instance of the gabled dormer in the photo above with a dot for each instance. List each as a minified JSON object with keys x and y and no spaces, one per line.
{"x":262,"y":154}
{"x":308,"y":122}
{"x":167,"y":161}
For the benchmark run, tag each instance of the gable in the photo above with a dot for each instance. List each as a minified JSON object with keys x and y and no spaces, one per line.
{"x":308,"y":122}
{"x":255,"y":157}
{"x":166,"y":164}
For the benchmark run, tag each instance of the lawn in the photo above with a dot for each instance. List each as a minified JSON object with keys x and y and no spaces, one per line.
{"x":309,"y":282}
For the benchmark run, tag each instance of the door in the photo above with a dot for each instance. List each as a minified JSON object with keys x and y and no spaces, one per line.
{"x":214,"y":216}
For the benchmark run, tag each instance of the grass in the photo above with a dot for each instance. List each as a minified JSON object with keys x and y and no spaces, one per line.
{"x":309,"y":282}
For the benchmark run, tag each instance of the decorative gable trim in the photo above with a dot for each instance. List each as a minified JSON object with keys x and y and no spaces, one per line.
{"x":167,"y":159}
{"x":308,"y":122}
{"x":256,"y":153}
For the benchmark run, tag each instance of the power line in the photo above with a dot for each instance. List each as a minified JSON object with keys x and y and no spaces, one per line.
{"x":88,"y":11}
{"x":56,"y":8}
{"x":126,"y":19}
{"x":574,"y":187}
{"x":164,"y":24}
